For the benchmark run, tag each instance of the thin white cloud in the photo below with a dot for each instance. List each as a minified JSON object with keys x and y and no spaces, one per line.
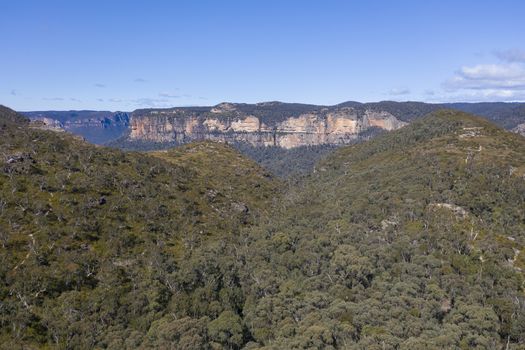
{"x":512,"y":55}
{"x":399,"y":92}
{"x":492,"y":72}
{"x":486,"y":95}
{"x":151,"y":102}
{"x":169,"y":95}
{"x":494,"y":95}
{"x":502,"y":81}
{"x":488,"y":76}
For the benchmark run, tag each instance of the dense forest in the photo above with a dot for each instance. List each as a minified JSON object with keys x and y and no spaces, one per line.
{"x":412,"y":240}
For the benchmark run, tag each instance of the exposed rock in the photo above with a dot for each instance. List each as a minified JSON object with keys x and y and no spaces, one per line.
{"x":15,"y":158}
{"x":227,"y":123}
{"x":47,"y":124}
{"x":520,"y":129}
{"x":123,"y":262}
{"x":471,"y":132}
{"x":446,"y":306}
{"x":19,"y":163}
{"x":457,"y":210}
{"x":258,"y":123}
{"x":386,"y":223}
{"x":212,"y":194}
{"x":240,"y":207}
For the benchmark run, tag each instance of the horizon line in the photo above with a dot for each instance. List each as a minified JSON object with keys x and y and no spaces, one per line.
{"x":261,"y":103}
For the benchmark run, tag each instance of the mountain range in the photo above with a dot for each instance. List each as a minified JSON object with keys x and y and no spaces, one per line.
{"x":285,"y":125}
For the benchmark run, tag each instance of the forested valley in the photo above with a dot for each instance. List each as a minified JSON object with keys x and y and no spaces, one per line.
{"x":412,"y":240}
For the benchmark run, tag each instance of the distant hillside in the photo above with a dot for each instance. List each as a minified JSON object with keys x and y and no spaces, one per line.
{"x":286,"y":138}
{"x":103,"y":126}
{"x":506,"y":115}
{"x":291,"y":125}
{"x":97,"y":127}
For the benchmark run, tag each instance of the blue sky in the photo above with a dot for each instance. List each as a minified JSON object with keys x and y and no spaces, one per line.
{"x":123,"y":55}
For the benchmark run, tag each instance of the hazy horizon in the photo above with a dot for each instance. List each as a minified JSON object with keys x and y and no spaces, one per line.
{"x":261,"y":102}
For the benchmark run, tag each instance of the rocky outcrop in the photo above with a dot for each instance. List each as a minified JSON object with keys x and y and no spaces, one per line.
{"x":520,"y":129}
{"x":261,"y":126}
{"x":45,"y":123}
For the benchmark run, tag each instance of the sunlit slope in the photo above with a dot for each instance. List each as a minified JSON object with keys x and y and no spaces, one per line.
{"x":91,"y":238}
{"x":412,"y":240}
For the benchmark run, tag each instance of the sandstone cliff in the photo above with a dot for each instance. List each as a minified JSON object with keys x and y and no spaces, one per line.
{"x":287,"y":125}
{"x":259,"y":124}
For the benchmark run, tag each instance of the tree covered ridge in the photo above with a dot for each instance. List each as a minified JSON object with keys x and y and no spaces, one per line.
{"x":412,"y":240}
{"x":422,"y":231}
{"x":90,"y":237}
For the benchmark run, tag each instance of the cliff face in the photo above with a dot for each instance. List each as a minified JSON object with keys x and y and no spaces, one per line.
{"x":261,"y":127}
{"x":96,"y":126}
{"x":286,"y":125}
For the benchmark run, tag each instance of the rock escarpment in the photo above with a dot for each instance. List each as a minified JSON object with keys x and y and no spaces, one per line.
{"x":270,"y":123}
{"x":263,"y":124}
{"x":95,"y":126}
